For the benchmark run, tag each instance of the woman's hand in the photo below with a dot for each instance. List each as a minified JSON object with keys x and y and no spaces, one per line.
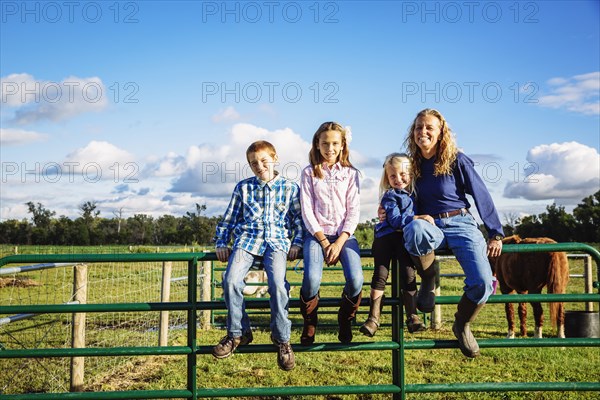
{"x":426,"y":217}
{"x":494,"y":247}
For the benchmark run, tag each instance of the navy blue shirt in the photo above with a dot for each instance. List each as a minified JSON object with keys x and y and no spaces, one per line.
{"x":443,"y":193}
{"x":398,"y":206}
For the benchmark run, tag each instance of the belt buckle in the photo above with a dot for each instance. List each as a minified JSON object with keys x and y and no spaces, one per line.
{"x":445,"y":214}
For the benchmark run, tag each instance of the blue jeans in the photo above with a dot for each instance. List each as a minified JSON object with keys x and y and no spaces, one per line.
{"x":461,"y":235}
{"x":238,"y":266}
{"x":313,"y":266}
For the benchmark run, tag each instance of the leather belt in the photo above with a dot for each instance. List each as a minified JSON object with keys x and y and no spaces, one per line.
{"x":449,"y":214}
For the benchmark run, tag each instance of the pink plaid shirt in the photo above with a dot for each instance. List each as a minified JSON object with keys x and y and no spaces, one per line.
{"x":331,"y":204}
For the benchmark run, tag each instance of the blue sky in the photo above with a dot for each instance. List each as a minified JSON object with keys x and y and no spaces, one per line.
{"x":148,"y":106}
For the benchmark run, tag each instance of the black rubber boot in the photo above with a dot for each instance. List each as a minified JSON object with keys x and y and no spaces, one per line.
{"x":466,"y":313}
{"x":426,"y":270}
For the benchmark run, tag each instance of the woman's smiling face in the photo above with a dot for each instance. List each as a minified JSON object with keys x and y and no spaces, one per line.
{"x":426,"y":134}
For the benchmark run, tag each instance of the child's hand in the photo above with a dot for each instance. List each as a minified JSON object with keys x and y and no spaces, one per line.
{"x":332,"y":252}
{"x":294,"y":252}
{"x":223,"y":253}
{"x":381,"y":213}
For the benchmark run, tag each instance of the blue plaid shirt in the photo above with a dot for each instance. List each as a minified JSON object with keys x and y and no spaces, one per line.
{"x":260,"y":214}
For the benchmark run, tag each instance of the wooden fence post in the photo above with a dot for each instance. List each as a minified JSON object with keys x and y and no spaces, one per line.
{"x":436,"y":316}
{"x":206,"y":293}
{"x":165,"y":294}
{"x":78,"y":331}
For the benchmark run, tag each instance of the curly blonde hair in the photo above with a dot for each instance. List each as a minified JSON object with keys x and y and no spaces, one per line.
{"x":446,"y":151}
{"x":395,"y":160}
{"x":316,"y":159}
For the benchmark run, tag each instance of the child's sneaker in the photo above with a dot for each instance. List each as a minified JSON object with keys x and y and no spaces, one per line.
{"x":414,"y":324}
{"x":285,"y":355}
{"x":228,"y":344}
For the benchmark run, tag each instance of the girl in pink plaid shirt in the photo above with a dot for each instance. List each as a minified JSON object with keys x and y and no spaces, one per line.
{"x":329,"y":195}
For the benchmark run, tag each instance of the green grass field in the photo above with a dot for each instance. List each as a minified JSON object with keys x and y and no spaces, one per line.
{"x":140,"y":282}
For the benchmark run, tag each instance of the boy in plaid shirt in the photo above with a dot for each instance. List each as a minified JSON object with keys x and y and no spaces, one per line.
{"x":265,"y":220}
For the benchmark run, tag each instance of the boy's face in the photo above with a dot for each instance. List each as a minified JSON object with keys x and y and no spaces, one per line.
{"x":262,"y":164}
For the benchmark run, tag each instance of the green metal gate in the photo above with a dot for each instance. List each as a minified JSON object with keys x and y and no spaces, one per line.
{"x":399,"y":388}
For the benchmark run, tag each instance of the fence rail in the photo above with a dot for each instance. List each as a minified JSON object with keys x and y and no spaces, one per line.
{"x":397,"y":345}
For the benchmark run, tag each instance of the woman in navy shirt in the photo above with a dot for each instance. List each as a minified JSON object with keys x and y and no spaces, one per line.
{"x":443,"y":177}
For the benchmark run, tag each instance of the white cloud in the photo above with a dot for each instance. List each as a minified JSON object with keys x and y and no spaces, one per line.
{"x":213,"y":171}
{"x":579,"y":93}
{"x":18,"y":89}
{"x":369,"y":197}
{"x":568,"y":171}
{"x":168,"y":166}
{"x":103,"y":160}
{"x":37,"y":100}
{"x":11,"y":137}
{"x":226,"y":115}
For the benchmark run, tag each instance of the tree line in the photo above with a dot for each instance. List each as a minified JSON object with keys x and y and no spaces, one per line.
{"x":193,"y":228}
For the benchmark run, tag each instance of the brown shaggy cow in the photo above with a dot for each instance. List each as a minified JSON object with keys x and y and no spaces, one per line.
{"x":529,"y":273}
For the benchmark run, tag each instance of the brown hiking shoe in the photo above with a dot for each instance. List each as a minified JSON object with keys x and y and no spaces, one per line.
{"x":228,"y":344}
{"x":285,"y":355}
{"x":414,"y":324}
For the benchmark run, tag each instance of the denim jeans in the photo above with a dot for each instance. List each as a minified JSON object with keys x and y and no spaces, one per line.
{"x":461,"y":235}
{"x":238,"y":266}
{"x":313,"y":266}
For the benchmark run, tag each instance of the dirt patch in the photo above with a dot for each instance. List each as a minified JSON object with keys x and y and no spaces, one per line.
{"x":132,"y":375}
{"x":18,"y":282}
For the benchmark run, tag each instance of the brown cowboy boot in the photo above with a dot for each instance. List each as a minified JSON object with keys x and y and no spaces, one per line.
{"x":465,"y":314}
{"x":309,"y":310}
{"x":426,"y":270}
{"x":372,"y":324}
{"x":346,"y":314}
{"x":413,"y":322}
